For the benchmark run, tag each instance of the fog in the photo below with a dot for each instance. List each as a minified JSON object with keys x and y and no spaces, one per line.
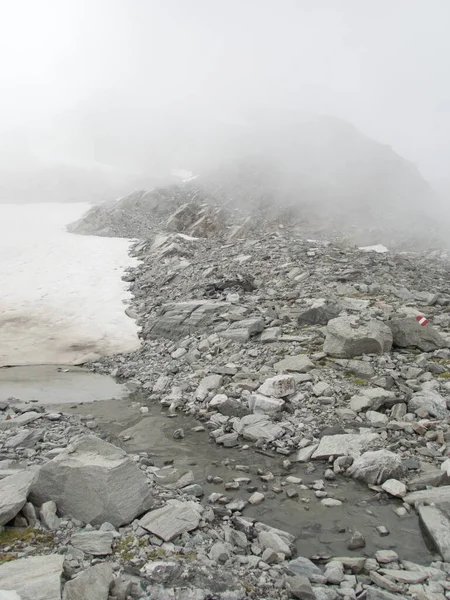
{"x":129,"y":89}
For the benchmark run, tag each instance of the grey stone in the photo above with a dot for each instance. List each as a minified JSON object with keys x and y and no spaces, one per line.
{"x":93,"y":481}
{"x":14,"y":492}
{"x":48,"y":515}
{"x":299,"y":587}
{"x":407,"y":332}
{"x":394,"y":488}
{"x":295,"y":364}
{"x":173,"y":519}
{"x":371,"y":398}
{"x":255,"y":427}
{"x":345,"y":444}
{"x":207,"y":384}
{"x":431,"y":402}
{"x":23,"y":419}
{"x":303,"y":566}
{"x":319,"y":313}
{"x":270,"y":335}
{"x":376,"y":467}
{"x":9,"y":595}
{"x":437,"y":495}
{"x":268,"y":539}
{"x":304,"y":454}
{"x":385,"y":557}
{"x":436,"y":523}
{"x":404,"y":576}
{"x":344,"y":341}
{"x":92,"y":584}
{"x":28,"y":438}
{"x":379,"y":594}
{"x":219,"y":553}
{"x":97,"y":543}
{"x":260,"y":404}
{"x":279,"y":386}
{"x":34,"y":578}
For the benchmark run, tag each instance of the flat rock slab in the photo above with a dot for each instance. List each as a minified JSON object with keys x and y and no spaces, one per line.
{"x":437,"y":525}
{"x":95,"y":482}
{"x":92,"y":584}
{"x":351,"y":444}
{"x":20,"y":420}
{"x":172,"y":520}
{"x":255,"y":427}
{"x":437,"y":495}
{"x":97,"y":543}
{"x":295,"y":364}
{"x":34,"y":578}
{"x":13,"y":494}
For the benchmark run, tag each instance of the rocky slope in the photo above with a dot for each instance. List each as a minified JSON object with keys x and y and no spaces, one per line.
{"x":318,"y":173}
{"x":331,"y":360}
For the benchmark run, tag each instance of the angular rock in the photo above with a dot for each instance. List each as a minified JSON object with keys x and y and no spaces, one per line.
{"x":379,"y":594}
{"x":351,"y":444}
{"x":371,"y":398}
{"x":279,"y":386}
{"x":92,"y":584}
{"x":14,"y":492}
{"x":431,"y":402}
{"x":97,"y":543}
{"x":268,"y":539}
{"x":407,"y":332}
{"x":376,"y":467}
{"x":260,"y":404}
{"x":319,"y":313}
{"x":255,"y":427}
{"x":173,"y":519}
{"x":303,"y":566}
{"x":376,"y":419}
{"x":436,"y":522}
{"x":48,"y":515}
{"x":344,"y":341}
{"x":207,"y":384}
{"x":394,"y":488}
{"x":34,"y":578}
{"x":93,"y":481}
{"x":22,"y":419}
{"x":299,"y":587}
{"x":437,"y":495}
{"x":304,"y":454}
{"x":295,"y":364}
{"x":28,"y":438}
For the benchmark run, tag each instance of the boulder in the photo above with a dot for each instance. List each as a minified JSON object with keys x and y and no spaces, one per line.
{"x":279,"y":386}
{"x":319,"y":313}
{"x":428,"y":402}
{"x":372,"y":399}
{"x":343,"y":340}
{"x":179,"y":319}
{"x":92,"y":584}
{"x":14,"y":491}
{"x":28,"y":438}
{"x":260,"y":404}
{"x":34,"y":578}
{"x":256,"y":427}
{"x":93,"y":481}
{"x":408,"y":333}
{"x":173,"y":519}
{"x":440,"y":495}
{"x":351,"y":444}
{"x":376,"y":467}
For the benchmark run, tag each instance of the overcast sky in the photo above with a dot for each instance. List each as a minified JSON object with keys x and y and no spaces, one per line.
{"x":382,"y":64}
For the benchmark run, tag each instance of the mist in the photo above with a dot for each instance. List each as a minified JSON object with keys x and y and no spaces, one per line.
{"x":114,"y":94}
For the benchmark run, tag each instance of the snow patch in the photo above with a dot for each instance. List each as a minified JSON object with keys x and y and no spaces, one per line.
{"x":62,"y":298}
{"x":376,"y":248}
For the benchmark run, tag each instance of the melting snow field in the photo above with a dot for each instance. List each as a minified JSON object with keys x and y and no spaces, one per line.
{"x":62,"y":299}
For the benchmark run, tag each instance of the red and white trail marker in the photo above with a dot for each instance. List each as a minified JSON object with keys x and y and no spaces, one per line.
{"x":421,"y":320}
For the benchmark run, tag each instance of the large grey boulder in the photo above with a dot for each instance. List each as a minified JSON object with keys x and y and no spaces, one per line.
{"x":93,"y":481}
{"x":376,"y":467}
{"x":428,"y":402}
{"x":345,"y":341}
{"x":34,"y":578}
{"x":256,"y":427}
{"x":97,"y":543}
{"x":92,"y":584}
{"x":14,"y":491}
{"x":407,"y":332}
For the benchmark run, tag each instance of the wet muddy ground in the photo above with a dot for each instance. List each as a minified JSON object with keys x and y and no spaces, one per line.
{"x":319,"y":530}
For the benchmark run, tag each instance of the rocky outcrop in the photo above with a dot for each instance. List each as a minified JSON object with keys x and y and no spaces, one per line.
{"x":346,"y":339}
